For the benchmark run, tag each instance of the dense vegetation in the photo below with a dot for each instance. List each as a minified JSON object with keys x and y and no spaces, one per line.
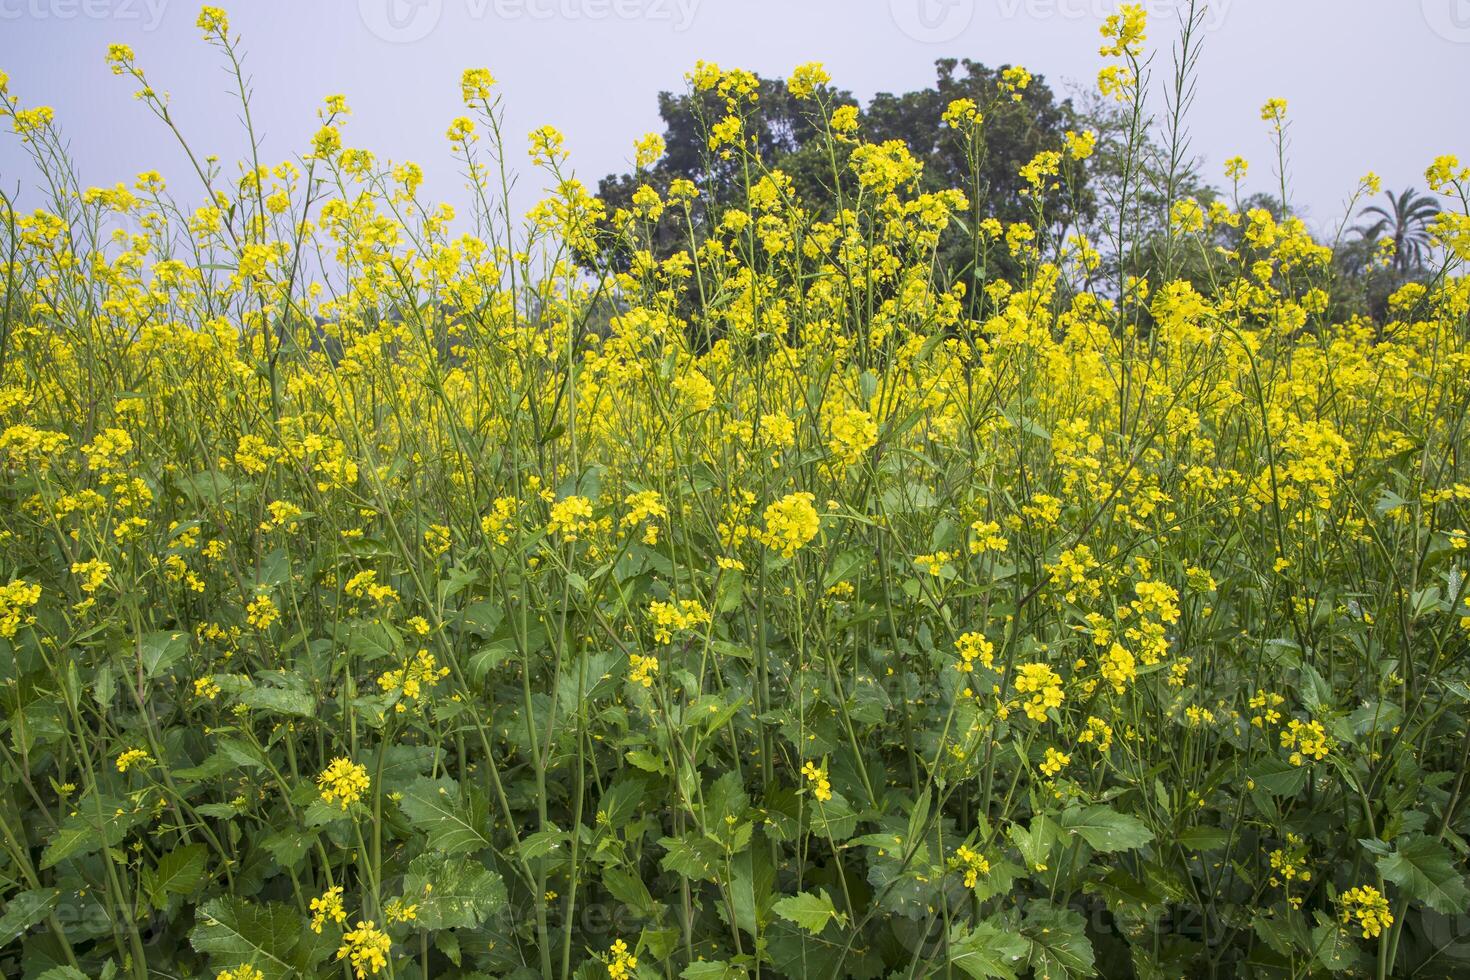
{"x":902,"y":582}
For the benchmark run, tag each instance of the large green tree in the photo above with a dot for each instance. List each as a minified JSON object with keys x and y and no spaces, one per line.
{"x":786,"y":128}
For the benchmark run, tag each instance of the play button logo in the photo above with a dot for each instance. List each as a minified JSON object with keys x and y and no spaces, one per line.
{"x":401,"y":21}
{"x":1450,"y":19}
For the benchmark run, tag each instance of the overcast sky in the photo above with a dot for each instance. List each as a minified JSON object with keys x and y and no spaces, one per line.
{"x":1373,"y":84}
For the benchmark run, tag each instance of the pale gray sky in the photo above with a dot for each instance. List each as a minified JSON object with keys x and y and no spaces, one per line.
{"x":1373,"y":84}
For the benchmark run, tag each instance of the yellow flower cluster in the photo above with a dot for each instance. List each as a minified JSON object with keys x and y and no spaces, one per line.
{"x":816,"y":777}
{"x":791,"y":524}
{"x":1055,"y":761}
{"x":773,"y":452}
{"x":1365,"y":907}
{"x":343,"y":783}
{"x":1040,"y":688}
{"x":1289,"y":863}
{"x":16,"y":600}
{"x":1119,"y":668}
{"x":621,"y":965}
{"x":571,"y":517}
{"x":133,"y":758}
{"x":1125,"y":31}
{"x":242,"y":972}
{"x":365,"y":949}
{"x":645,"y":507}
{"x":973,"y":647}
{"x":1308,"y":741}
{"x":851,"y":433}
{"x":671,"y":617}
{"x":423,"y":671}
{"x":971,"y":863}
{"x":327,"y":908}
{"x":987,"y":538}
{"x":642,"y":670}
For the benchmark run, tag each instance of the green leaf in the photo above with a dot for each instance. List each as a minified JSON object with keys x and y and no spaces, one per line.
{"x":454,"y":820}
{"x":692,"y":856}
{"x":24,"y":911}
{"x":989,"y":951}
{"x":1203,"y":839}
{"x":833,"y":819}
{"x":628,"y":888}
{"x":179,"y":872}
{"x":452,"y":892}
{"x":97,"y":823}
{"x":1059,"y":944}
{"x":160,"y":651}
{"x":236,"y":931}
{"x":726,"y":797}
{"x":62,"y":973}
{"x":289,"y":846}
{"x":811,"y":912}
{"x":712,"y":970}
{"x":1035,"y":843}
{"x":448,"y":944}
{"x":620,"y":801}
{"x":1422,"y":867}
{"x":280,"y":701}
{"x":540,"y":844}
{"x":647,"y":761}
{"x":1333,"y":946}
{"x":1278,"y":777}
{"x":1105,"y":829}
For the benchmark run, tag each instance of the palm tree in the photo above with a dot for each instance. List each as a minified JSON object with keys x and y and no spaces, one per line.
{"x":1406,"y":219}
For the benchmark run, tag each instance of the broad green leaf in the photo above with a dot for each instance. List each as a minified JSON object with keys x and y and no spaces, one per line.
{"x":647,"y":761}
{"x":1204,"y":839}
{"x":160,"y":651}
{"x":235,"y":931}
{"x":179,"y":872}
{"x":279,"y":701}
{"x":1105,"y":829}
{"x":455,"y":821}
{"x":1278,"y":777}
{"x":1423,"y":868}
{"x":989,"y":951}
{"x":1035,"y":842}
{"x":62,"y":973}
{"x":1059,"y":943}
{"x":1333,"y":946}
{"x":620,"y":801}
{"x":811,"y":912}
{"x":289,"y":846}
{"x":541,"y":844}
{"x":833,"y":819}
{"x":629,"y":889}
{"x":452,"y":892}
{"x":25,"y":910}
{"x":692,"y":856}
{"x":712,"y":970}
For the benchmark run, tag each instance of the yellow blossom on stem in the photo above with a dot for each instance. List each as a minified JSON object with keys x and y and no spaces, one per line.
{"x":343,"y":782}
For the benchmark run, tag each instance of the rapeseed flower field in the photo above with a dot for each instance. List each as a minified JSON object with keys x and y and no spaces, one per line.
{"x":391,"y":590}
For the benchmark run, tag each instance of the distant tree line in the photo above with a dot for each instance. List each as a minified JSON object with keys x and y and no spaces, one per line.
{"x":1366,"y":270}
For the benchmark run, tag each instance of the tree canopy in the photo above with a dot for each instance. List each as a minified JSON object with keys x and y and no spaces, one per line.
{"x":1021,"y":119}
